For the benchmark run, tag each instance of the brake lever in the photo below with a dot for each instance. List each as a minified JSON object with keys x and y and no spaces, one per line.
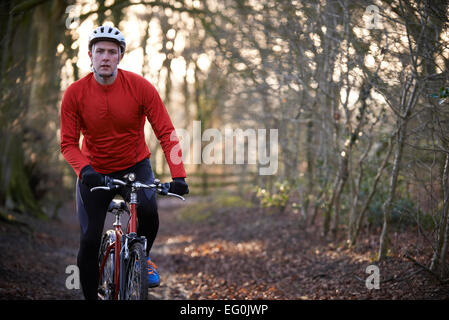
{"x":176,"y":195}
{"x":100,"y":188}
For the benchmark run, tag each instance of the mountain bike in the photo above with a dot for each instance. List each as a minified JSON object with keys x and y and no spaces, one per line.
{"x":122,"y":259}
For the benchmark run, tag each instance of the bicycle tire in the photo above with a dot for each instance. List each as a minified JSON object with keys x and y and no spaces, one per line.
{"x":136,"y":286}
{"x":106,"y":282}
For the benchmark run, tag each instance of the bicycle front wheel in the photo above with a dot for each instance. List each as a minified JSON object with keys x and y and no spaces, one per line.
{"x":136,"y":286}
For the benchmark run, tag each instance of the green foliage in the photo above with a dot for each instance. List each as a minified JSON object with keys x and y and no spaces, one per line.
{"x":442,"y":95}
{"x":196,"y":212}
{"x":231,"y":201}
{"x":204,"y":210}
{"x":278,"y":197}
{"x":404,"y":213}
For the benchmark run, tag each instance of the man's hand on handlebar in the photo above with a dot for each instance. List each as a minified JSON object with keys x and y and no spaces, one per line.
{"x":179,"y":186}
{"x":91,"y":178}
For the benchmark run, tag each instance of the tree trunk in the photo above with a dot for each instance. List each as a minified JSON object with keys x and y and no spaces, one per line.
{"x":354,"y":230}
{"x":405,"y":108}
{"x":310,"y":173}
{"x":445,"y":227}
{"x":18,"y":58}
{"x":342,"y":179}
{"x":439,"y":255}
{"x":345,"y":157}
{"x":384,"y":238}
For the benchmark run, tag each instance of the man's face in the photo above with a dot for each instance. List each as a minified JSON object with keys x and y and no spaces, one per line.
{"x":105,"y":57}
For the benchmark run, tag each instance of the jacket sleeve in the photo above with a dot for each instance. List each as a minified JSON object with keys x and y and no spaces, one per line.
{"x":70,"y":132}
{"x":160,"y":121}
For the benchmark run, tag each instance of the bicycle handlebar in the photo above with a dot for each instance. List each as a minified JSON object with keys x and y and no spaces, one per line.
{"x":159,"y":187}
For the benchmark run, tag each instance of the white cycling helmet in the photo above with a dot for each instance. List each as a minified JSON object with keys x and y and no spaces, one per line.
{"x":107,"y":33}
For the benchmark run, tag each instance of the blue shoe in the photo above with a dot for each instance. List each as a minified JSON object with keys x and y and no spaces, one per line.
{"x":153,"y":276}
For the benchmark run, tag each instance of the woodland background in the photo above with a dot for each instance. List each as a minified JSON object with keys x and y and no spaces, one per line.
{"x":356,"y":90}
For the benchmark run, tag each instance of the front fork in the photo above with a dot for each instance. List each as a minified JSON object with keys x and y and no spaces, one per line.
{"x":133,"y":212}
{"x":126,"y":242}
{"x":132,"y":229}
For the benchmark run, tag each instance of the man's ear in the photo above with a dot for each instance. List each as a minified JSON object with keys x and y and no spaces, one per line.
{"x":91,"y":61}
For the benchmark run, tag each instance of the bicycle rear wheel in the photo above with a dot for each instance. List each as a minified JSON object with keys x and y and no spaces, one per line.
{"x":106,"y":286}
{"x":136,"y":286}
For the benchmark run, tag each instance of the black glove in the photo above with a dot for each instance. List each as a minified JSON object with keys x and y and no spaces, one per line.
{"x":179,"y":186}
{"x":91,"y":178}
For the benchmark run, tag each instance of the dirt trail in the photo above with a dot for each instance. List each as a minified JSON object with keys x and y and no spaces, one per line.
{"x":223,"y":252}
{"x":33,"y":262}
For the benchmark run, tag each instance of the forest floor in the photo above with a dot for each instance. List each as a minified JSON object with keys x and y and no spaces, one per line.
{"x":225,"y":248}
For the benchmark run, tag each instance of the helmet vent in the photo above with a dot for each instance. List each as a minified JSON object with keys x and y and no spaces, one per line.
{"x":107,"y":33}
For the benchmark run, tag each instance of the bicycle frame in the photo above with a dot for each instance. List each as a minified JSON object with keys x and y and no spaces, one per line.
{"x":120,"y":243}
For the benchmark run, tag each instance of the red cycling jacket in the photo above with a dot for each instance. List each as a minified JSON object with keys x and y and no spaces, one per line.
{"x":111,"y":119}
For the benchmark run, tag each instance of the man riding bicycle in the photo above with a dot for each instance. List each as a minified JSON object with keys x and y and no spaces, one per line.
{"x":109,"y":107}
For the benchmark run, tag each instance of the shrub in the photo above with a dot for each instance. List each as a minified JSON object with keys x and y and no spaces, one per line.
{"x":278,"y":197}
